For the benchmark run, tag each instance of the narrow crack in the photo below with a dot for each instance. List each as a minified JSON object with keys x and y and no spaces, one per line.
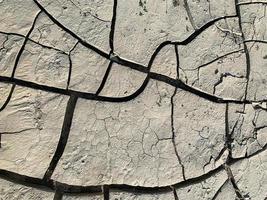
{"x":254,"y":2}
{"x":219,"y":190}
{"x":172,"y":114}
{"x":233,"y":182}
{"x":61,"y":188}
{"x":63,"y":137}
{"x":104,"y":80}
{"x":112,"y":29}
{"x":58,"y":195}
{"x":65,"y":188}
{"x":238,"y":12}
{"x":175,"y":194}
{"x":70,"y":65}
{"x":173,"y":135}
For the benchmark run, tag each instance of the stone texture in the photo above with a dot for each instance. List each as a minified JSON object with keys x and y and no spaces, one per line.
{"x":10,"y":46}
{"x":215,"y":60}
{"x":250,"y":176}
{"x":17,"y":16}
{"x":166,"y":62}
{"x":4,"y":92}
{"x":148,"y":24}
{"x":199,"y":129}
{"x":254,"y":21}
{"x":13,"y":191}
{"x":88,"y":69}
{"x":82,"y":197}
{"x":122,"y":143}
{"x":43,"y":65}
{"x":202,"y":11}
{"x":133,"y":100}
{"x":47,"y":33}
{"x":257,"y":79}
{"x":205,"y":190}
{"x":28,"y":146}
{"x":122,"y":81}
{"x":117,"y":195}
{"x":89,"y":20}
{"x":247,"y":124}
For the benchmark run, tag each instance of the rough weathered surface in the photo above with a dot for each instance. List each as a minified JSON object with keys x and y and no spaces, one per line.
{"x":133,"y":99}
{"x":14,"y":191}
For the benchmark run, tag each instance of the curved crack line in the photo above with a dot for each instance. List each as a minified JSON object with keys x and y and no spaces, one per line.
{"x":255,"y":2}
{"x":92,"y":96}
{"x":256,"y":41}
{"x":66,"y":188}
{"x":123,"y":61}
{"x":8,"y":97}
{"x":216,"y":59}
{"x":129,"y":63}
{"x":83,"y":42}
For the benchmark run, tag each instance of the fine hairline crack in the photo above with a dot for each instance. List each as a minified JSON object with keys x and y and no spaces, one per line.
{"x":61,"y":188}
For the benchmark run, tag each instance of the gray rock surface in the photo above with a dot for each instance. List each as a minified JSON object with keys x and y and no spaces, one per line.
{"x":133,"y":100}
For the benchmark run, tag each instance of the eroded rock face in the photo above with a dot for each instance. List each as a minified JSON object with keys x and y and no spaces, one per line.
{"x":133,"y":100}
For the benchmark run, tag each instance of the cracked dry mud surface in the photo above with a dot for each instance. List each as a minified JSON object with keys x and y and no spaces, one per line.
{"x":133,"y":99}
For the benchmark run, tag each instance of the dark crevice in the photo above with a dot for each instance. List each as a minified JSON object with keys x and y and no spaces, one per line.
{"x":264,"y":148}
{"x":112,"y":28}
{"x":104,"y":80}
{"x":123,"y":61}
{"x":177,"y":61}
{"x":5,"y":104}
{"x":173,"y":135}
{"x":65,"y":188}
{"x":60,"y":188}
{"x":106,"y":192}
{"x":198,"y":31}
{"x":58,"y":195}
{"x":111,"y":44}
{"x":233,"y":182}
{"x":8,"y":98}
{"x":63,"y":137}
{"x":228,"y":134}
{"x":175,"y":194}
{"x":172,"y":115}
{"x":216,"y":59}
{"x":33,"y":41}
{"x":23,"y":45}
{"x":256,"y":41}
{"x":92,"y":96}
{"x":70,"y":65}
{"x":255,"y":2}
{"x":219,"y":191}
{"x":84,"y":43}
{"x":245,"y":47}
